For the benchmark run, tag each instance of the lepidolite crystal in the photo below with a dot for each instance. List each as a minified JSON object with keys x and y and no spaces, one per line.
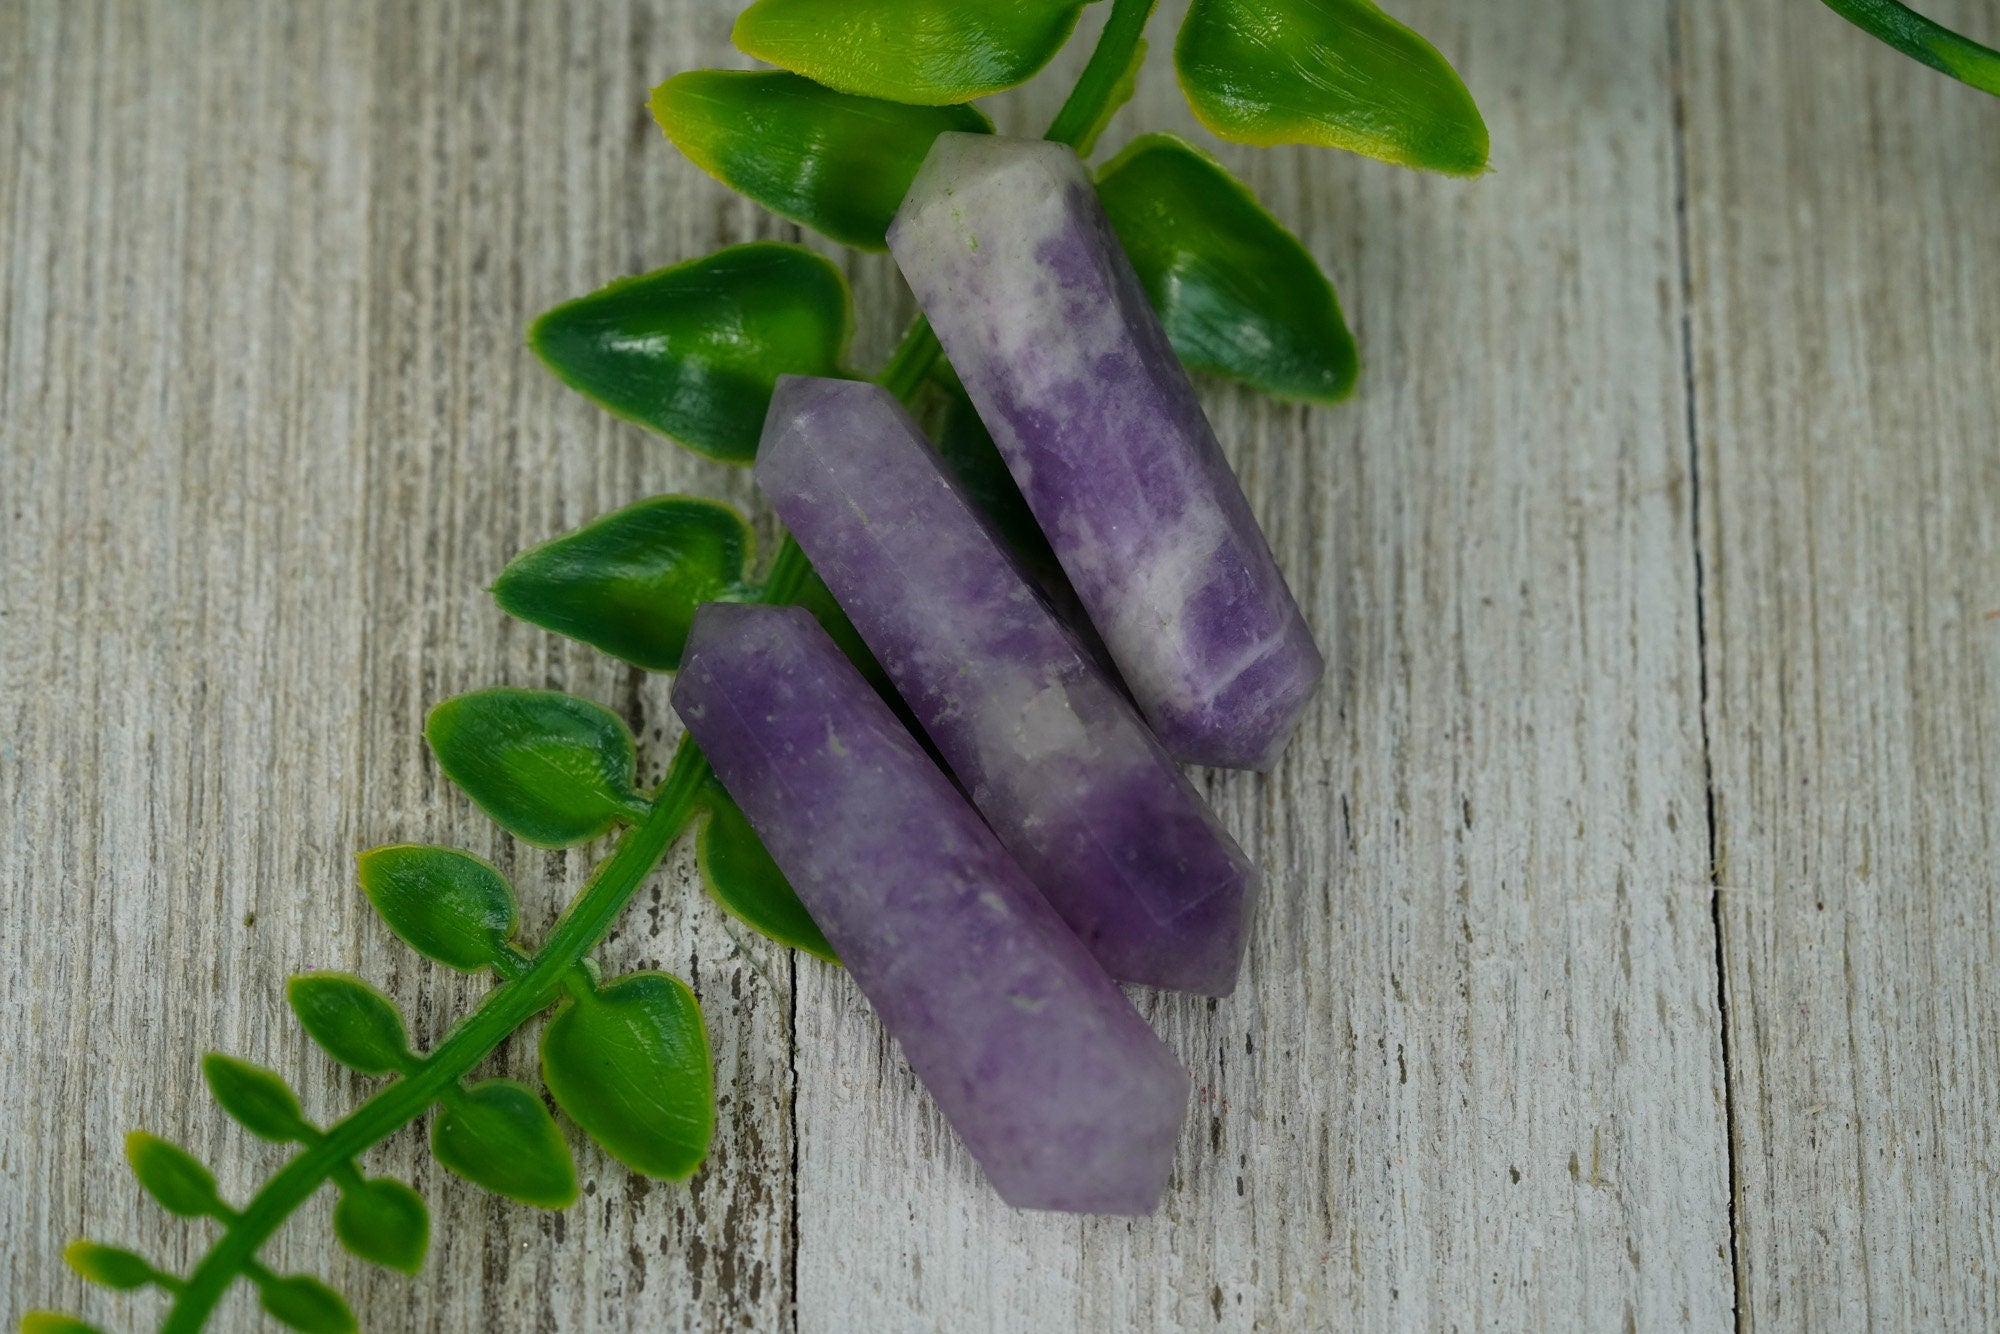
{"x":1050,"y":1077}
{"x":1061,"y":765}
{"x":1012,"y":258}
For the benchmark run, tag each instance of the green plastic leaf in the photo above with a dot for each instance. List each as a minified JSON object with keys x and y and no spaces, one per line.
{"x":741,"y":876}
{"x":445,"y":904}
{"x":304,"y":1303}
{"x":1237,"y":292}
{"x":1337,"y":73}
{"x":837,"y":163}
{"x":384,"y":1222}
{"x":111,"y":1266}
{"x":256,"y":1098}
{"x":1114,"y":101}
{"x":547,"y":767}
{"x":1924,"y":40}
{"x":629,"y":1063}
{"x":693,"y":351}
{"x":54,"y":1322}
{"x":497,"y":1134}
{"x":355,"y":1024}
{"x":171,"y":1175}
{"x":629,"y":582}
{"x":929,"y":52}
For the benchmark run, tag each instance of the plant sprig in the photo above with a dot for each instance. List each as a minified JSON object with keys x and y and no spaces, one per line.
{"x":693,"y":351}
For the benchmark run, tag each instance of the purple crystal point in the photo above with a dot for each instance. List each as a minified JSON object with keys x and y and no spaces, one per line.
{"x":1047,"y":1073}
{"x":1015,"y":263}
{"x":1061,"y":765}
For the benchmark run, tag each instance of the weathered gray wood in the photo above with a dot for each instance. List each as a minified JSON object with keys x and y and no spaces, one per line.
{"x":270,"y":429}
{"x":1474,"y":1075}
{"x":1846,"y":269}
{"x":267,"y":429}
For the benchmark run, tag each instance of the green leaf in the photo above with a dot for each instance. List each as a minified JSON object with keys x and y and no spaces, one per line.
{"x":256,"y":1098}
{"x":444,"y":904}
{"x":929,"y":52}
{"x":1924,"y":40}
{"x":836,"y":163}
{"x":304,"y":1303}
{"x":54,"y":1322}
{"x":629,"y":582}
{"x":384,"y":1222}
{"x":629,"y":1063}
{"x":356,"y":1024}
{"x":1337,"y":73}
{"x":111,"y":1266}
{"x":1114,"y":101}
{"x":693,"y":351}
{"x":1237,"y":292}
{"x":171,"y":1175}
{"x":497,"y":1134}
{"x":547,"y":767}
{"x":741,"y":876}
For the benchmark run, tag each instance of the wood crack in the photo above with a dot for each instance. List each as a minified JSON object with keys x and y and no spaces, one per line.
{"x":1677,"y":78}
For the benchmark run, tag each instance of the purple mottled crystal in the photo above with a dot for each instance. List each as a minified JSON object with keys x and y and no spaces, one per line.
{"x":1058,"y":761}
{"x":1012,"y":258}
{"x":1050,"y":1077}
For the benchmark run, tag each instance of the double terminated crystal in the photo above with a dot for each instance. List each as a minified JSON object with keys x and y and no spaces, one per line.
{"x":1063,"y":768}
{"x":1050,"y":1077}
{"x":1012,"y":258}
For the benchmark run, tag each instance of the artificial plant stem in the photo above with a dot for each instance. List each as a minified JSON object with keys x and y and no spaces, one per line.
{"x":911,"y":361}
{"x":502,"y":1010}
{"x":516,"y":1000}
{"x":1109,"y":61}
{"x":788,"y":571}
{"x":918,"y":350}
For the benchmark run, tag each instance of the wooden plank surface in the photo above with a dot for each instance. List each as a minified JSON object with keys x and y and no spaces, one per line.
{"x":270,"y":431}
{"x":1845,"y":261}
{"x":267,"y":429}
{"x":1473,"y":1075}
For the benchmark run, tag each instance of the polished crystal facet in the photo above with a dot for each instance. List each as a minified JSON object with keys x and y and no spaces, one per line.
{"x":1050,"y":1077}
{"x":1012,"y":258}
{"x":1057,"y":760}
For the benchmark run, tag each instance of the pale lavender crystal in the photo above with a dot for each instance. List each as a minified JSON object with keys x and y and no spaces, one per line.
{"x":1058,"y":761}
{"x":1050,"y":1077}
{"x":1015,"y":263}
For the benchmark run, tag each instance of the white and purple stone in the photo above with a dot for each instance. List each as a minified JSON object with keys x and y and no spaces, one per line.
{"x":1050,"y":1077}
{"x":1057,"y":760}
{"x":1012,"y":258}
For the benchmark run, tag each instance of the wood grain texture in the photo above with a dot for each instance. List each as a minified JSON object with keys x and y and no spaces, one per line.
{"x":1694,"y":391}
{"x":270,"y":430}
{"x":1845,"y":262}
{"x":1473,"y":1075}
